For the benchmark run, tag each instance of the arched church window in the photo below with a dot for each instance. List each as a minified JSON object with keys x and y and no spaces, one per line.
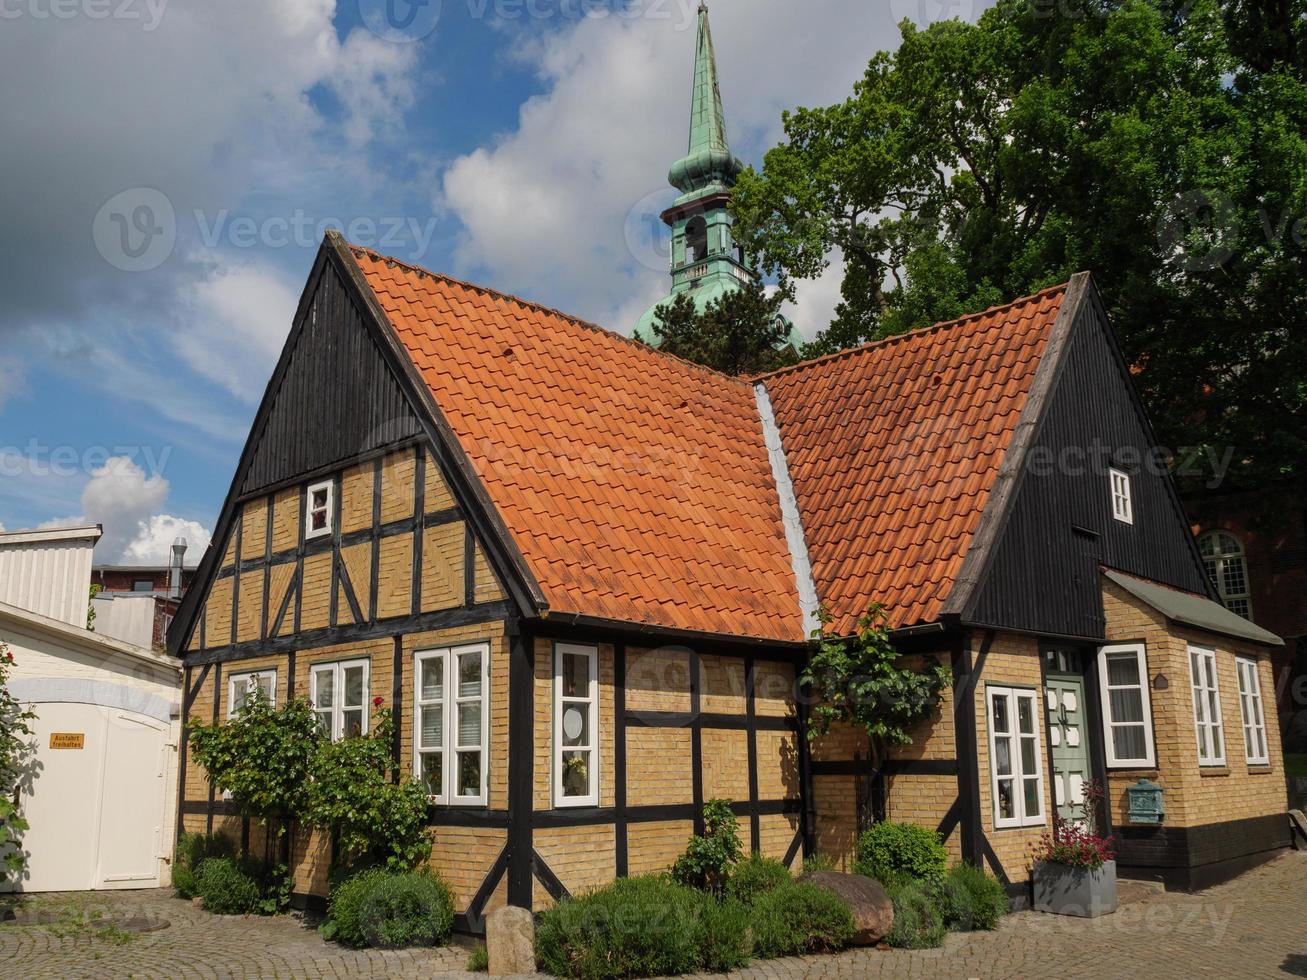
{"x":1227,"y":566}
{"x":696,"y":240}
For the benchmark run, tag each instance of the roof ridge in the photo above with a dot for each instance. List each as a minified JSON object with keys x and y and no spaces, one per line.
{"x":358,"y":250}
{"x":909,"y":334}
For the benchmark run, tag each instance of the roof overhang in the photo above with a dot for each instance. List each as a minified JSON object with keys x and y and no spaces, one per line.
{"x":1192,"y":610}
{"x":82,"y":640}
{"x":86,"y":532}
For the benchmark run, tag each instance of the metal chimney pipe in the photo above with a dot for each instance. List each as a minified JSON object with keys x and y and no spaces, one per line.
{"x":175,"y":571}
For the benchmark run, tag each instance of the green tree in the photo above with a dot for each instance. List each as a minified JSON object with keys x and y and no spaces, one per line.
{"x":264,"y":757}
{"x":1160,"y":145}
{"x":864,"y":681}
{"x":741,"y":332}
{"x":17,"y":753}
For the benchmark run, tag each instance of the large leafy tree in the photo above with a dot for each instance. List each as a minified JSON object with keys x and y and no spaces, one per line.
{"x":740,"y":332}
{"x":1160,"y":145}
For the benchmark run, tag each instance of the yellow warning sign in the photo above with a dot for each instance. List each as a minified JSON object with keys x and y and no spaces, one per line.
{"x":67,"y":740}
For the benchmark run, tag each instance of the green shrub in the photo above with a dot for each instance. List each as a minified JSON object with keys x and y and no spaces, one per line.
{"x":754,"y":877}
{"x":917,"y":920}
{"x":798,"y":917}
{"x":226,"y":888}
{"x":387,"y":910}
{"x":818,"y":862}
{"x":478,"y":960}
{"x":708,"y":858}
{"x":968,"y":898}
{"x":641,"y":927}
{"x":897,"y":853}
{"x":183,"y":881}
{"x":192,"y":849}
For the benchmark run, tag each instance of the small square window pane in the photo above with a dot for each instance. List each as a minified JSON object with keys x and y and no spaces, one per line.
{"x":469,"y":675}
{"x":1032,"y":797}
{"x":433,"y":727}
{"x":1217,"y":750}
{"x":576,"y":774}
{"x":469,"y":723}
{"x":324,"y":723}
{"x":469,"y":774}
{"x":266,"y":684}
{"x":1211,"y":671}
{"x":1126,"y":705}
{"x":325,"y":690}
{"x":352,"y":722}
{"x":576,"y":724}
{"x":433,"y":769}
{"x":433,"y":678}
{"x":1027,"y":755}
{"x":1006,"y":802}
{"x":354,"y":686}
{"x":576,"y":676}
{"x":319,"y":520}
{"x":1128,"y":741}
{"x":320,"y":498}
{"x":1202,"y":742}
{"x":1001,"y":721}
{"x":1122,"y":670}
{"x":1026,"y":715}
{"x":1003,"y":756}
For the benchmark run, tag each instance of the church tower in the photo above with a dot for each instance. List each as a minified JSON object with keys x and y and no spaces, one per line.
{"x":706,"y":260}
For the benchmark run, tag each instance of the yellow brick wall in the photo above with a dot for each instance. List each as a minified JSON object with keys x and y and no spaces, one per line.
{"x":286,"y":520}
{"x":397,"y":475}
{"x":583,"y":858}
{"x":726,"y":764}
{"x":315,"y":593}
{"x":487,"y":584}
{"x":279,"y":580}
{"x":924,"y":800}
{"x":658,"y":680}
{"x":249,"y":616}
{"x":217,"y":612}
{"x":463,"y":857}
{"x":254,"y":529}
{"x":442,"y":566}
{"x":357,"y":560}
{"x":436,"y":495}
{"x":778,"y":765}
{"x":658,"y":766}
{"x":356,"y":497}
{"x":774,"y":689}
{"x":395,"y":577}
{"x":1195,"y":795}
{"x":776,"y":834}
{"x":652,"y":847}
{"x":722,"y":687}
{"x":836,"y":802}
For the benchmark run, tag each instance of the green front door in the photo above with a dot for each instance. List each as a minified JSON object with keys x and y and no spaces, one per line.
{"x":1068,"y":740}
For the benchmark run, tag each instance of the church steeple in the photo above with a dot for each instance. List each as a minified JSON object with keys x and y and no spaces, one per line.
{"x":709,"y":159}
{"x":707,"y":262}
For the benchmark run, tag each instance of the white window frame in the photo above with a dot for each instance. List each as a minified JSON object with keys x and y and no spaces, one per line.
{"x":310,"y":510}
{"x":1205,"y":659}
{"x":591,"y":653}
{"x":1250,"y":700}
{"x":245,"y":677}
{"x":1149,"y":759}
{"x":1216,"y":565}
{"x":1123,"y":508}
{"x":1018,"y":775}
{"x":450,"y":699}
{"x":337,"y":670}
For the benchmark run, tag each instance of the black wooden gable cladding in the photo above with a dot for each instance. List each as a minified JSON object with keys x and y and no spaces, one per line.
{"x":1042,"y":574}
{"x":338,"y":399}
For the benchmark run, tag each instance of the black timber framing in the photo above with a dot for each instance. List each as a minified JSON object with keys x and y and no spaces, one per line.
{"x":620,"y":835}
{"x":966,"y":675}
{"x":520,"y":848}
{"x":751,"y":724}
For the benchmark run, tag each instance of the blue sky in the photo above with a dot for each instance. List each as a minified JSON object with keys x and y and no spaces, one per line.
{"x":519,"y":143}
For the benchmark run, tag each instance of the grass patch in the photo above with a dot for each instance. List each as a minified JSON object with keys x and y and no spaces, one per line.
{"x":479,"y":959}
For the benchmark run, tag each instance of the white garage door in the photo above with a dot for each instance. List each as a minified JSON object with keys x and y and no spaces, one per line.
{"x":96,"y":806}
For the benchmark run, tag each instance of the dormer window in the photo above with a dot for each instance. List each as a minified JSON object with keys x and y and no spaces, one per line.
{"x":1122,"y":505}
{"x":319,"y":509}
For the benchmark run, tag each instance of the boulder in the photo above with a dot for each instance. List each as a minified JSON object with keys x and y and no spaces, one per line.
{"x":873,"y":912}
{"x":510,"y":941}
{"x":1298,"y":824}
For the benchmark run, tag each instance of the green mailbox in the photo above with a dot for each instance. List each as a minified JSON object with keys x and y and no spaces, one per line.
{"x":1144,"y":803}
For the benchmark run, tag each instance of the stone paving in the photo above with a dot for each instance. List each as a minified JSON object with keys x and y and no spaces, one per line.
{"x":1255,"y":926}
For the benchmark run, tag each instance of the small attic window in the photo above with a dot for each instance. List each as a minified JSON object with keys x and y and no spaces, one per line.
{"x":1122,"y":505}
{"x":319,"y":507}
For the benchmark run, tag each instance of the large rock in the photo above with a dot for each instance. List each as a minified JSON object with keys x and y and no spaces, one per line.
{"x":873,"y":912}
{"x":510,"y":941}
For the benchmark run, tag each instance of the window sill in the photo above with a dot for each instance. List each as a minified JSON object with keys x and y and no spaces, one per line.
{"x":1133,"y":770}
{"x":1206,"y":771}
{"x":1260,"y":769}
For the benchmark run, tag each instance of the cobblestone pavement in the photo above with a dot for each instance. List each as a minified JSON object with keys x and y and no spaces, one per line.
{"x":1255,"y":926}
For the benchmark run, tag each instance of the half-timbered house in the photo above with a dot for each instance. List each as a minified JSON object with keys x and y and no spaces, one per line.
{"x":583,"y":573}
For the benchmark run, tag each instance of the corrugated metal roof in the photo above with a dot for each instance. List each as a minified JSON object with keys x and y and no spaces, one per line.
{"x":1192,"y":610}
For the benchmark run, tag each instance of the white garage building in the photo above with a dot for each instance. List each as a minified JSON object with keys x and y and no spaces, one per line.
{"x":101,"y":798}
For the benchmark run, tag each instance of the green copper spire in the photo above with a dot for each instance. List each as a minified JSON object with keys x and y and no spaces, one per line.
{"x":706,"y":262}
{"x":709,"y":159}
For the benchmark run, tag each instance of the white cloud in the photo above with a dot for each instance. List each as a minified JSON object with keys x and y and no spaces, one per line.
{"x":127,"y":502}
{"x":547,"y":209}
{"x":815,"y":299}
{"x":11,"y":380}
{"x":234,"y":323}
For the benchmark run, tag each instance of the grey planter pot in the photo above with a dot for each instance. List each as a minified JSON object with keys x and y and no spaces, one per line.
{"x":1065,"y":890}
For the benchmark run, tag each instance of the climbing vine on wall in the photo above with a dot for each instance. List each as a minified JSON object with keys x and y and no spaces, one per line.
{"x":16,"y":753}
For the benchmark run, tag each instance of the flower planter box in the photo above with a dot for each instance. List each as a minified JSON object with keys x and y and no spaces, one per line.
{"x":1064,"y":890}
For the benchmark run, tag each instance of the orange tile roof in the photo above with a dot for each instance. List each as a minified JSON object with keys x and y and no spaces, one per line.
{"x":893,"y":448}
{"x":636,"y":485}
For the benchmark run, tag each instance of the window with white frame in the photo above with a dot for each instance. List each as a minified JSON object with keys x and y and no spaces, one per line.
{"x":241,"y":686}
{"x":576,"y":725}
{"x":451,"y":725}
{"x":340,"y":698}
{"x":1122,"y":505}
{"x":1254,"y":717}
{"x":319,"y":509}
{"x":1207,"y":707}
{"x":1017,"y":771}
{"x":1227,"y":567}
{"x":1127,"y":710}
